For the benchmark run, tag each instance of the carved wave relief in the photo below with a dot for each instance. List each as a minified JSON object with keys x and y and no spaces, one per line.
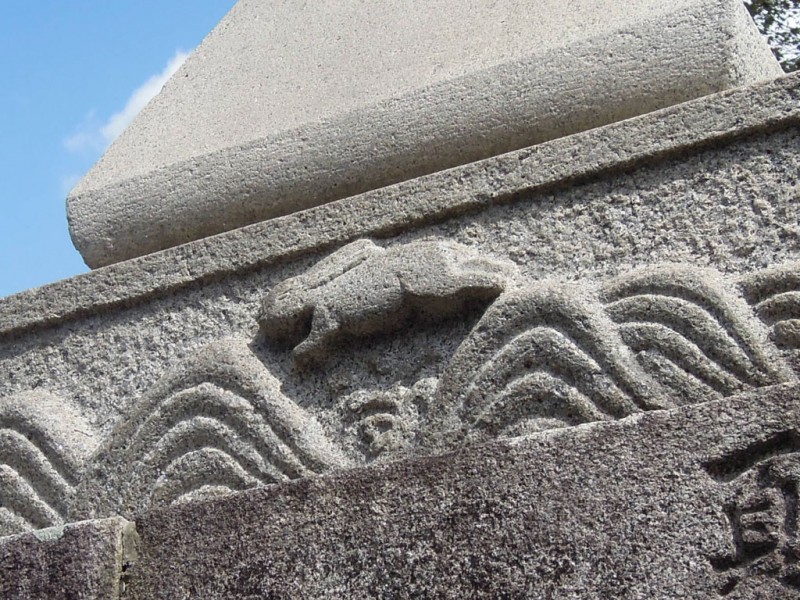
{"x":545,"y":350}
{"x":215,"y":424}
{"x":556,"y":354}
{"x":774,"y":294}
{"x":542,"y":354}
{"x":44,"y":445}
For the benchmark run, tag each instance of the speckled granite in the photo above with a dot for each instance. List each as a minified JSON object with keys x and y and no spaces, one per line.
{"x":645,"y":265}
{"x":79,"y":561}
{"x":699,"y":502}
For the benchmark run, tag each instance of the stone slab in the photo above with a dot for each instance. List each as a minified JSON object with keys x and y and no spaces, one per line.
{"x":79,"y":561}
{"x":699,"y":503}
{"x":281,"y":109}
{"x":600,"y":154}
{"x":246,"y":359}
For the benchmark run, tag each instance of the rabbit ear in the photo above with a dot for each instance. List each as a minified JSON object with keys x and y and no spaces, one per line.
{"x":337,"y":264}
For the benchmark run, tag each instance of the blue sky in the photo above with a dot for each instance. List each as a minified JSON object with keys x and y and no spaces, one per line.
{"x":74,"y":72}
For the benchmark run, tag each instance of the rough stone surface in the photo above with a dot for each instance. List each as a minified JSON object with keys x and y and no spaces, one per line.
{"x":699,"y":502}
{"x":273,"y":114}
{"x":44,"y":444}
{"x":79,"y":561}
{"x":522,"y":293}
{"x":543,"y":354}
{"x":535,"y":172}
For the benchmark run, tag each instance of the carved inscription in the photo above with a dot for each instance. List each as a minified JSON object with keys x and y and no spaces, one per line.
{"x":763,"y":517}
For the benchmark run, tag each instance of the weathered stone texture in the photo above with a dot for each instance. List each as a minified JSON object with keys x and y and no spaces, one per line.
{"x":307,"y":117}
{"x":567,"y":371}
{"x":79,"y":561}
{"x":698,"y":502}
{"x":512,"y":295}
{"x":44,"y":444}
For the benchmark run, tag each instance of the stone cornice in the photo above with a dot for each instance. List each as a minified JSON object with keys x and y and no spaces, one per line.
{"x":711,"y":121}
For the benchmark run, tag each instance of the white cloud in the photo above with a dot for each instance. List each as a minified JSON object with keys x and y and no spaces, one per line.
{"x":87,"y":136}
{"x":68,"y":182}
{"x":139,"y":98}
{"x":94,"y":135}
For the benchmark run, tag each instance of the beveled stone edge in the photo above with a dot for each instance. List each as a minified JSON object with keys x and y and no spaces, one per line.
{"x":121,"y":532}
{"x":782,"y":398}
{"x":501,"y":108}
{"x":714,"y":120}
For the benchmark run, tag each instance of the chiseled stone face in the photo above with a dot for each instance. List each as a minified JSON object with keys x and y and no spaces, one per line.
{"x":655,"y":268}
{"x":80,"y":560}
{"x":289,"y":105}
{"x":699,"y":502}
{"x":542,"y":355}
{"x":568,"y":371}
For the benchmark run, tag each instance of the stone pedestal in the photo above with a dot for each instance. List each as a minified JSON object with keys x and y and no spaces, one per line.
{"x":284,"y":107}
{"x":693,"y":503}
{"x":568,"y":371}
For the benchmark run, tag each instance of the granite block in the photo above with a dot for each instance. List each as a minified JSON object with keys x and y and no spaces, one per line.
{"x":274,"y":113}
{"x":699,"y":502}
{"x":79,"y":561}
{"x":646,"y":265}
